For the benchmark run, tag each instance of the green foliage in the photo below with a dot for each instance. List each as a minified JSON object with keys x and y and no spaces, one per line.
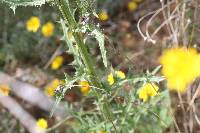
{"x":100,"y":38}
{"x":85,"y":6}
{"x":19,"y":46}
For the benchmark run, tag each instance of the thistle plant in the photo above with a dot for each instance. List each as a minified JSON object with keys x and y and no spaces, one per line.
{"x":120,"y":104}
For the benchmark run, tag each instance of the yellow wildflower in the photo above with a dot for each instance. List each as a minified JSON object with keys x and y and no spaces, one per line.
{"x":147,"y":91}
{"x":132,"y":6}
{"x":50,"y":89}
{"x":57,"y":63}
{"x":33,"y":24}
{"x":55,"y":83}
{"x":48,"y":29}
{"x":119,"y":74}
{"x":84,"y":87}
{"x":42,"y":123}
{"x":103,"y":16}
{"x":180,"y":67}
{"x":111,"y":79}
{"x":4,"y":90}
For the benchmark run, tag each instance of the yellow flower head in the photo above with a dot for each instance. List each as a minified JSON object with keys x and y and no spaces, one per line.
{"x":48,"y":29}
{"x":4,"y":90}
{"x":180,"y":67}
{"x":119,"y":74}
{"x":132,"y":6}
{"x":147,"y":91}
{"x":42,"y":123}
{"x":57,"y":63}
{"x":84,"y":87}
{"x":103,"y":16}
{"x":33,"y":24}
{"x":111,"y":79}
{"x":50,"y":89}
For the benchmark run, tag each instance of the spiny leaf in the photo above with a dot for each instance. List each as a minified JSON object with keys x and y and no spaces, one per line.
{"x":100,"y":38}
{"x":156,"y":70}
{"x":24,"y":2}
{"x":15,"y":3}
{"x":71,"y":48}
{"x":60,"y":92}
{"x":86,"y":6}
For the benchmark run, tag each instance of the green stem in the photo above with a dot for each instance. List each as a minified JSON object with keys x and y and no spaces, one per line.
{"x":86,"y":59}
{"x":66,"y":12}
{"x":64,"y":7}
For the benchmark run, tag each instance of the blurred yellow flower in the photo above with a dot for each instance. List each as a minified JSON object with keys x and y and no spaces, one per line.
{"x":103,"y":16}
{"x":180,"y":67}
{"x":111,"y":79}
{"x":4,"y":90}
{"x":147,"y":91}
{"x":84,"y":87}
{"x":48,"y":29}
{"x":132,"y":6}
{"x":42,"y":123}
{"x":50,"y":89}
{"x":119,"y":74}
{"x":33,"y":24}
{"x":57,"y":62}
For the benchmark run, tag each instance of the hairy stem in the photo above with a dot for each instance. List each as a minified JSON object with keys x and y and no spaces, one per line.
{"x":64,"y":8}
{"x":67,"y":14}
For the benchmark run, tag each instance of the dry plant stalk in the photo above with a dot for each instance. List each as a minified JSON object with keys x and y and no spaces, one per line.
{"x":26,"y":119}
{"x":31,"y":94}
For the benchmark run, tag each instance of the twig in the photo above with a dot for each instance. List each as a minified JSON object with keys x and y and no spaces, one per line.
{"x":57,"y":52}
{"x":31,"y":94}
{"x":194,"y":97}
{"x":58,"y":124}
{"x":17,"y":111}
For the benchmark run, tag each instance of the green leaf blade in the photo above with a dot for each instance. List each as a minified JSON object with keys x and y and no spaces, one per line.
{"x":100,"y":38}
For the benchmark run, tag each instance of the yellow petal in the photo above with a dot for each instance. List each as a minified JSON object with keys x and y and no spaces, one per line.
{"x":42,"y":123}
{"x":84,"y":87}
{"x":132,"y":6}
{"x":111,"y":79}
{"x":103,"y":16}
{"x":121,"y":74}
{"x":4,"y":90}
{"x":48,"y":29}
{"x":57,"y":63}
{"x":180,"y":67}
{"x":33,"y":24}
